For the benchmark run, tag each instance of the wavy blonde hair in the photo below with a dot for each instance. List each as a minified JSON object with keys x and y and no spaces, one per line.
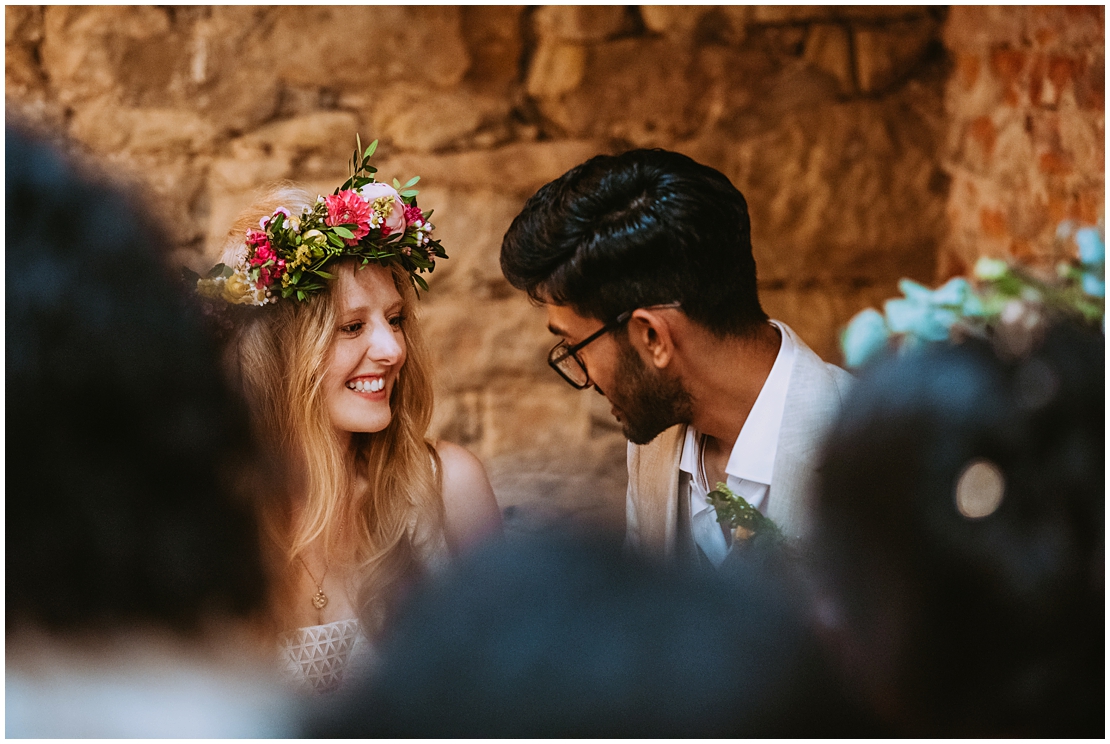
{"x":386,"y":488}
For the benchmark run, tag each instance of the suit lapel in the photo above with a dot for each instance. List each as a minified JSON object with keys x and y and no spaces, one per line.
{"x":658,"y":484}
{"x":812,"y":400}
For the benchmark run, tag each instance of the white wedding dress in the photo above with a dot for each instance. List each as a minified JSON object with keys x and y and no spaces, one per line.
{"x":320,"y":658}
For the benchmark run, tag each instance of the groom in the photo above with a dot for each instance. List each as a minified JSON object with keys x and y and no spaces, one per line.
{"x":644,"y":264}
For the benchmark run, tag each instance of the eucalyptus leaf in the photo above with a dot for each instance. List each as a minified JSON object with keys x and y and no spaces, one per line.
{"x":412,"y":181}
{"x":409,"y":192}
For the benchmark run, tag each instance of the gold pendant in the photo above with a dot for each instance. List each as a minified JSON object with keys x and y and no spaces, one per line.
{"x":320,"y":600}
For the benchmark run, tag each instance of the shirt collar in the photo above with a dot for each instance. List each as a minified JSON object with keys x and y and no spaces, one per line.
{"x":753,"y":455}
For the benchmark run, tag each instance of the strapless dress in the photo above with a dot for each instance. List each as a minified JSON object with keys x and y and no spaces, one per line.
{"x":319,"y":658}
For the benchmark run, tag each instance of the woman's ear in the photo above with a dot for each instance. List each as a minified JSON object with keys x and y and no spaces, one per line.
{"x":652,"y":335}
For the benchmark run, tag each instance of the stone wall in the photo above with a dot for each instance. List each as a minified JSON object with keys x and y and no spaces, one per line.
{"x":829,"y":119}
{"x":1026,"y":129}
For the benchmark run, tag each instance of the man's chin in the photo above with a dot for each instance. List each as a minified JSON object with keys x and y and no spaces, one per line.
{"x":640,"y":434}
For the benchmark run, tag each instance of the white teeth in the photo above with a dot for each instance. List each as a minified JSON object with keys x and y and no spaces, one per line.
{"x":367,"y":386}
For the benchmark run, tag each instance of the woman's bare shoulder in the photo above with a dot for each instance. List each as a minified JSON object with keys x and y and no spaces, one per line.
{"x":470,"y":506}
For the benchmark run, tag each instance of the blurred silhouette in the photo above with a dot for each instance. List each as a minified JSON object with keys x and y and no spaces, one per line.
{"x":134,"y":575}
{"x":960,"y":574}
{"x":569,"y":638}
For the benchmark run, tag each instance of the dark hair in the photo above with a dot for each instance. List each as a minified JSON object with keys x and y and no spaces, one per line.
{"x":643,"y":228}
{"x":121,"y":434}
{"x":993,"y":625}
{"x":567,"y":638}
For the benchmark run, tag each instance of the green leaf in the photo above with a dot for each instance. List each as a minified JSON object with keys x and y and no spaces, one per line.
{"x":335,"y":240}
{"x":300,"y":295}
{"x":370,"y":150}
{"x":409,"y":192}
{"x":412,"y":181}
{"x":419,"y":280}
{"x":343,"y":232}
{"x":396,"y":184}
{"x":324,"y":274}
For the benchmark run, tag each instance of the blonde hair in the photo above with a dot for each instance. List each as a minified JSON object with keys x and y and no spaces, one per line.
{"x":386,"y":487}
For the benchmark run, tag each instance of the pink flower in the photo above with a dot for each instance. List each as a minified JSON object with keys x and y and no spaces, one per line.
{"x":266,"y":220}
{"x":387,"y":206}
{"x":413,"y":214}
{"x":259,"y":248}
{"x":347,"y":208}
{"x":270,"y":274}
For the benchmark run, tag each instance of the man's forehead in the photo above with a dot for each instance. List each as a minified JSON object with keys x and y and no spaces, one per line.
{"x":562,"y":320}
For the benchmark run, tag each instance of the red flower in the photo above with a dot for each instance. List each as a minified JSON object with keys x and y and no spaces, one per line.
{"x":348,"y":208}
{"x":413,"y":214}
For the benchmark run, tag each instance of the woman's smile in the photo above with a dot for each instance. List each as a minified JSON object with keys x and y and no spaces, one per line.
{"x":367,"y":385}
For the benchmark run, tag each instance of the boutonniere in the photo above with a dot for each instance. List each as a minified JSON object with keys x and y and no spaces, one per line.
{"x":745,"y":521}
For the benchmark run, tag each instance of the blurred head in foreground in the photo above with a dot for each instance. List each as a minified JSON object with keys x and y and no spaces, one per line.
{"x":960,"y":571}
{"x":571,"y":639}
{"x":135,"y":579}
{"x":121,"y":436}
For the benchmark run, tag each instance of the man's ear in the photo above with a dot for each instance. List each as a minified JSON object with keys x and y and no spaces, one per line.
{"x":652,"y":335}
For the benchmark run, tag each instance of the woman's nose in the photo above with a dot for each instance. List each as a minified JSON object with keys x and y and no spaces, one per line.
{"x":386,"y":345}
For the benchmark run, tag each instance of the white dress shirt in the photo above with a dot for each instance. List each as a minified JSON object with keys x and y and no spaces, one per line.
{"x":751,"y":461}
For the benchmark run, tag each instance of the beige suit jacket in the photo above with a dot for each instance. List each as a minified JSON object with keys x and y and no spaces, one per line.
{"x":658,"y":520}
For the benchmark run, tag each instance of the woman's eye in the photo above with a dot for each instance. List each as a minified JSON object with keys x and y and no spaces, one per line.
{"x":397,"y":321}
{"x":351,"y":328}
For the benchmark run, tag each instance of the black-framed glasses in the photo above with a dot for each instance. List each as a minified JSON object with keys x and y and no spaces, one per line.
{"x":564,"y":359}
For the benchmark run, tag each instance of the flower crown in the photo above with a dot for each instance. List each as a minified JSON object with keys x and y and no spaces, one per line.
{"x":286,"y":256}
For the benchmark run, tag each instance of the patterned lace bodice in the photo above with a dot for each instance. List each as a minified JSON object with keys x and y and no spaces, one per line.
{"x":318,"y":658}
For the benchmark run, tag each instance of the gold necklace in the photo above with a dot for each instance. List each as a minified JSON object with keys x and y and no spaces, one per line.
{"x":319,"y":599}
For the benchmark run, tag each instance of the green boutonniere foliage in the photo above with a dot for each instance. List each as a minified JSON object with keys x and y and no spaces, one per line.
{"x":746,"y":522}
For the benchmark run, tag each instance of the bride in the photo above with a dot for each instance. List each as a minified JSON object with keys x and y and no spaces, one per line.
{"x":321,"y":295}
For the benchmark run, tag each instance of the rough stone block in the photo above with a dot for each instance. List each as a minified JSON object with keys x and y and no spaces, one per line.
{"x":107,"y":128}
{"x":858,"y":196}
{"x":582,"y":23}
{"x":556,"y":68}
{"x":368,"y":46}
{"x":331,"y":132}
{"x":620,"y":97}
{"x":475,"y":341}
{"x":514,"y":169}
{"x":828,"y":48}
{"x":888,"y":54}
{"x":791,"y":13}
{"x":431,"y":121}
{"x":677,"y":20}
{"x":471,"y":224}
{"x":22,"y":36}
{"x":495,"y":43}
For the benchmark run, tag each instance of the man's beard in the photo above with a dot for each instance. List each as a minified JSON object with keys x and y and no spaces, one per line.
{"x":648,"y":401}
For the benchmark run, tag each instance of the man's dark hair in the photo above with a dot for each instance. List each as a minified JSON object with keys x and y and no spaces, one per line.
{"x":647,"y":227}
{"x":121,"y":434}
